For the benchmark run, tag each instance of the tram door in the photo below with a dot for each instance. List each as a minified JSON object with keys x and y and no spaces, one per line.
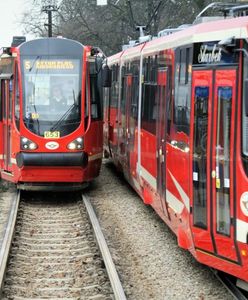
{"x":130,"y":127}
{"x":162,"y":104}
{"x":212,"y":177}
{"x":6,"y":97}
{"x":125,"y":121}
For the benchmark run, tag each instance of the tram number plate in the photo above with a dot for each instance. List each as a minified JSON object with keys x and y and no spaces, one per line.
{"x":51,"y":135}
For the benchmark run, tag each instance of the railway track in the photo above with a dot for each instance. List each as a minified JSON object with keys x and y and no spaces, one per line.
{"x":58,"y":251}
{"x":229,"y":283}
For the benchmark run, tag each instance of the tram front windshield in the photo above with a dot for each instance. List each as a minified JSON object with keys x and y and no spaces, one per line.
{"x":52,"y":95}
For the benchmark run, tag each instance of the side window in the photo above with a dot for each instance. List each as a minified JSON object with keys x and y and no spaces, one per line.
{"x":149,"y":108}
{"x":115,"y":86}
{"x":182,"y":90}
{"x":17,"y":100}
{"x":135,"y":69}
{"x":123,"y":95}
{"x":149,"y":91}
{"x":3,"y":99}
{"x":169,"y":101}
{"x":182,"y":66}
{"x":135,"y":97}
{"x":95,"y":98}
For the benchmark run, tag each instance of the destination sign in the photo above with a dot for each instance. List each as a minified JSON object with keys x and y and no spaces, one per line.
{"x":49,"y":64}
{"x":211,"y":53}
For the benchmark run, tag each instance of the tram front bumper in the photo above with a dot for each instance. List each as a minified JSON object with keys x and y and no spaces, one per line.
{"x":28,"y":159}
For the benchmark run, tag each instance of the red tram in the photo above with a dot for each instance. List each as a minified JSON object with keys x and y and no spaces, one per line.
{"x":176,"y":124}
{"x":50,"y":114}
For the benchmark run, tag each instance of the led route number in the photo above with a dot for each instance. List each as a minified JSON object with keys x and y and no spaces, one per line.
{"x":51,"y":135}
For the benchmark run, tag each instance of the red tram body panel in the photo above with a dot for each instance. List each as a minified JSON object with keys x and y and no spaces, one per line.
{"x":176,"y":124}
{"x":50,"y":115}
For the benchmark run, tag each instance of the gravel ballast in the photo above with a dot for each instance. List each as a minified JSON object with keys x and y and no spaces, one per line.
{"x":5,"y":208}
{"x":145,"y":251}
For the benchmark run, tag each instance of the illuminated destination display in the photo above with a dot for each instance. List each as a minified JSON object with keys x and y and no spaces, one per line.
{"x":49,"y":64}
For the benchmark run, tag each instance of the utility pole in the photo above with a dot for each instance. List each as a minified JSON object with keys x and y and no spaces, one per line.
{"x":49,"y":9}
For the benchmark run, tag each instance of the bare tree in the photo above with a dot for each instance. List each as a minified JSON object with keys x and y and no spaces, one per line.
{"x":111,"y":26}
{"x":34,"y":20}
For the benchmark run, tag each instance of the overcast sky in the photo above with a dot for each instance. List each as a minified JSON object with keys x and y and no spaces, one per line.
{"x":10,"y":16}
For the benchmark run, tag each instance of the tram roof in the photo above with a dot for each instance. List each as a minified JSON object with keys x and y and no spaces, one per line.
{"x":204,"y":32}
{"x":44,"y":46}
{"x":114,"y":58}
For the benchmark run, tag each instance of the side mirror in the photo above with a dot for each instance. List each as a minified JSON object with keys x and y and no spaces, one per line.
{"x":106,"y":77}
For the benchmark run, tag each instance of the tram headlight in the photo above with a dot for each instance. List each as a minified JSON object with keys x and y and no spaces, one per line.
{"x":77,"y":144}
{"x":27,"y":144}
{"x":72,"y":146}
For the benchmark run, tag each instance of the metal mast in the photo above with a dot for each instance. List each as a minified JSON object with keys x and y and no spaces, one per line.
{"x":49,"y":9}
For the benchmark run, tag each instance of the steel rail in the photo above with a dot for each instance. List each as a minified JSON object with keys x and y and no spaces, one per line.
{"x":229,"y":285}
{"x":111,"y":270}
{"x":7,"y":239}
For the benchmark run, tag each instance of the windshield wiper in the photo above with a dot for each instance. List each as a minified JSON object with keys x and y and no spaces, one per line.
{"x":66,"y":114}
{"x":37,"y":58}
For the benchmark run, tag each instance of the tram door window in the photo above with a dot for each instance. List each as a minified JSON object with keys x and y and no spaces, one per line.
{"x":135,"y":99}
{"x":223,"y":160}
{"x":113,"y":105}
{"x":114,"y":87}
{"x":131,"y":96}
{"x":200,"y":156}
{"x":163,"y":100}
{"x":122,"y":128}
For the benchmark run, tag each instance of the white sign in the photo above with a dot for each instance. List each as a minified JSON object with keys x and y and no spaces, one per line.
{"x":209,"y":54}
{"x":101,"y":2}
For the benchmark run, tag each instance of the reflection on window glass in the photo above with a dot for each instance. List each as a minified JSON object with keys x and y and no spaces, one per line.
{"x":114,"y":94}
{"x":200,"y":156}
{"x":115,"y":86}
{"x":96,"y":110}
{"x":135,"y":97}
{"x":52,"y":94}
{"x":10,"y":97}
{"x":223,"y":160}
{"x":123,"y":95}
{"x":17,"y":101}
{"x":149,"y":108}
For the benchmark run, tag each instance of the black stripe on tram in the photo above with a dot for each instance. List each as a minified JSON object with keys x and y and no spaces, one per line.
{"x":234,"y":173}
{"x":211,"y":163}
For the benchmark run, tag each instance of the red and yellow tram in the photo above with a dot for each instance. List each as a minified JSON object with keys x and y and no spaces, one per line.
{"x":176,"y":124}
{"x":50,"y":114}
